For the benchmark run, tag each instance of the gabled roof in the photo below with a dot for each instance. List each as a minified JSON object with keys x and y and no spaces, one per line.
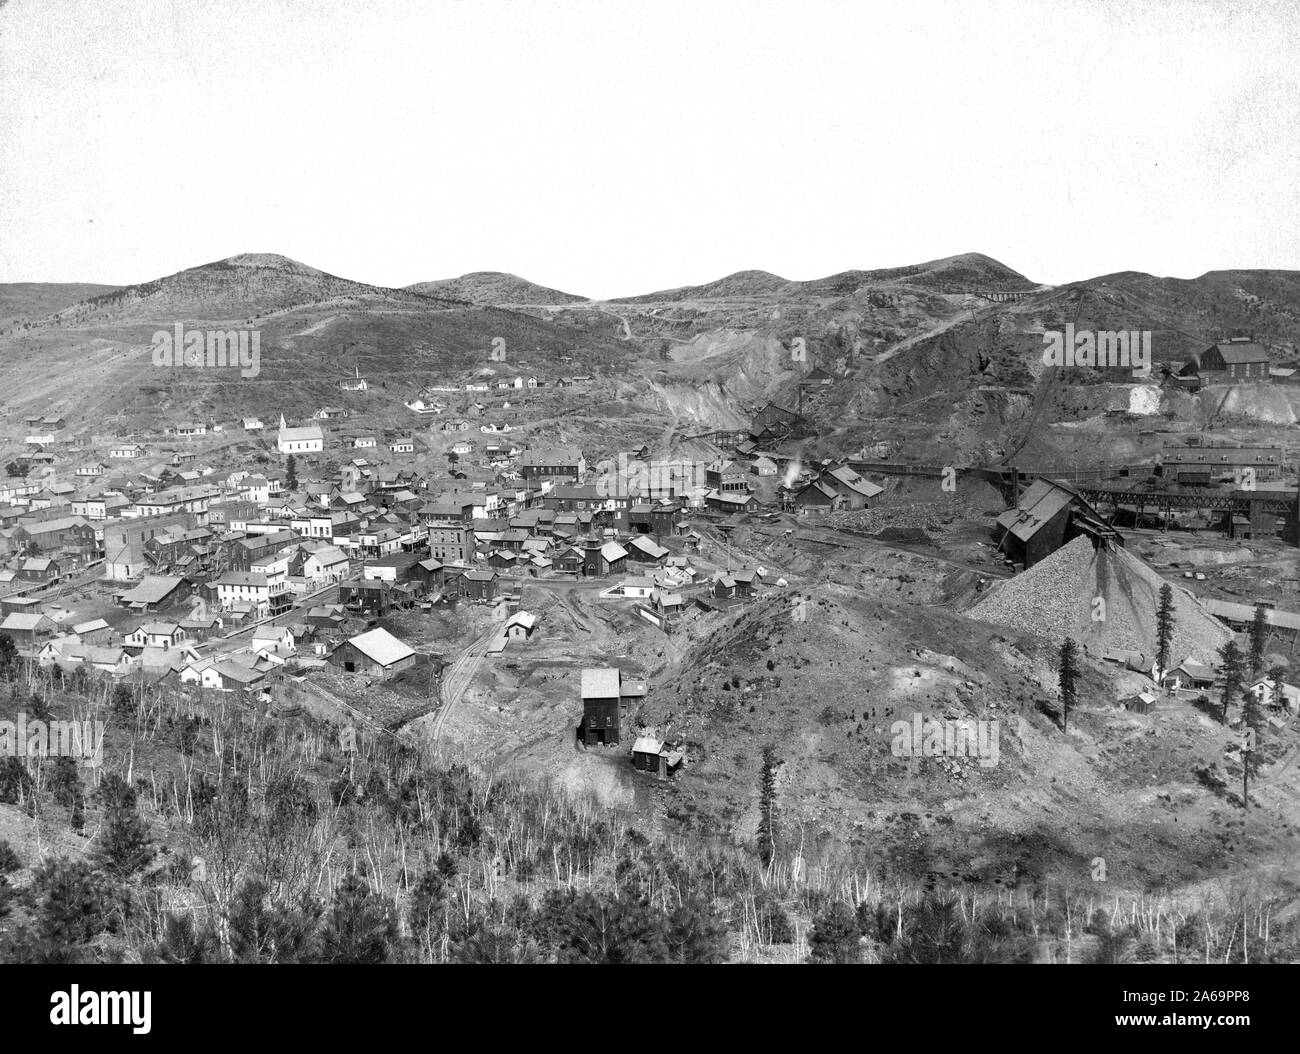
{"x":853,"y":481}
{"x":231,"y":671}
{"x":612,"y":551}
{"x":61,"y":524}
{"x":1043,"y":500}
{"x":156,"y":629}
{"x":817,"y":487}
{"x":648,"y":546}
{"x":559,"y":455}
{"x":18,"y":620}
{"x":1196,"y":670}
{"x":303,"y":434}
{"x":647,"y":743}
{"x":1236,"y":352}
{"x":153,"y":589}
{"x":381,"y":646}
{"x":600,"y":683}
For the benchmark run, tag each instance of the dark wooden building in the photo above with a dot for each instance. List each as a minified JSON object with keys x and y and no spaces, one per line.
{"x":605,"y":691}
{"x":607,"y":558}
{"x":774,"y":421}
{"x":1239,"y":360}
{"x":651,"y":756}
{"x":600,"y":706}
{"x":647,"y":518}
{"x":480,"y":586}
{"x":817,"y":498}
{"x":376,"y":652}
{"x":1049,"y":514}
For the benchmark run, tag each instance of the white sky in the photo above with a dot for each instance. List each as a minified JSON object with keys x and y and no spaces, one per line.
{"x":619,"y":147}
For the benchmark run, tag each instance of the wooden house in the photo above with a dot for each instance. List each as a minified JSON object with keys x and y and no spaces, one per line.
{"x":600,"y":706}
{"x":376,"y":653}
{"x":652,"y":756}
{"x":480,"y":586}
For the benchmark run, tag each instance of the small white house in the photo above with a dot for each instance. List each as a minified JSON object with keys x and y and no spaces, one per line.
{"x":520,"y":625}
{"x":275,"y":640}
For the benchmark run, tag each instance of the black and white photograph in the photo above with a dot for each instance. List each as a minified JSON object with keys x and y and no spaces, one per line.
{"x":748,"y":482}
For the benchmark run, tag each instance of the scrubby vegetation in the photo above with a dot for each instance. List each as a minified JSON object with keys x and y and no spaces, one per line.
{"x":211,"y":832}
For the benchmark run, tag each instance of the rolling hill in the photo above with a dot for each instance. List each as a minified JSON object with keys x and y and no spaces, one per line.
{"x":248,"y":286}
{"x":37,"y":299}
{"x":953,"y":274}
{"x":494,"y":288}
{"x":93,"y":358}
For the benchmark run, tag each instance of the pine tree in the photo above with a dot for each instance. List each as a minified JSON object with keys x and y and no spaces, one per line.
{"x":183,"y":942}
{"x":263,"y":932}
{"x":1258,"y":639}
{"x":935,"y":932}
{"x":834,"y":937}
{"x":496,"y":945}
{"x":71,"y":911}
{"x":696,"y":934}
{"x":1275,"y":675}
{"x":1234,"y":675}
{"x":124,"y":846}
{"x":16,"y":783}
{"x":9,"y":657}
{"x":767,"y":808}
{"x":595,"y":927}
{"x":1252,"y":719}
{"x":1068,"y":679}
{"x":428,"y":906}
{"x":291,"y":474}
{"x":65,"y":785}
{"x":361,"y":926}
{"x":1164,"y":627}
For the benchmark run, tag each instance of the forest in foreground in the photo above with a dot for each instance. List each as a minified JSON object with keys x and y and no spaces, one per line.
{"x":207,"y":831}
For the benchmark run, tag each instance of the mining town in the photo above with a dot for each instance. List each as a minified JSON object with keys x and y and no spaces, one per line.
{"x":946,"y":609}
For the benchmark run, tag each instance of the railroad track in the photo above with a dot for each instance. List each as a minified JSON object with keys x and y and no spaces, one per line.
{"x":459,"y":676}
